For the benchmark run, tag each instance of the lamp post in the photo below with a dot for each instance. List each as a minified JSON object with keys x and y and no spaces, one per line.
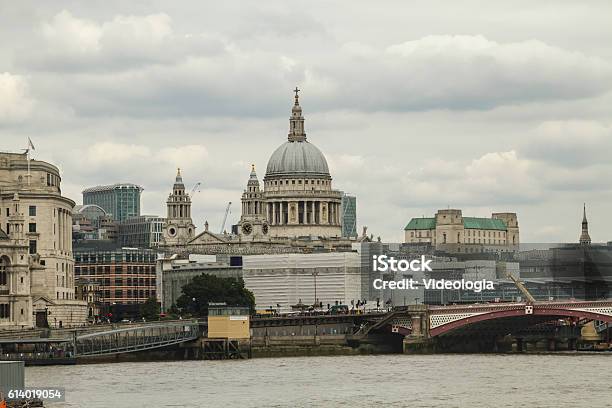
{"x":314,"y":274}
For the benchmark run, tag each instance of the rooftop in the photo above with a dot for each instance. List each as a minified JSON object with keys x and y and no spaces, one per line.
{"x":468,"y":223}
{"x":117,"y":186}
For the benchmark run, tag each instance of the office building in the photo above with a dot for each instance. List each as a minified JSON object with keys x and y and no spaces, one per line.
{"x":120,"y":201}
{"x":144,"y":231}
{"x":348,"y":216}
{"x":125,"y":275}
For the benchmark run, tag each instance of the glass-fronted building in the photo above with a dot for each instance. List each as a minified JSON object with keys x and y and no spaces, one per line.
{"x":141,"y":232}
{"x":121,"y":201}
{"x":349,"y":216}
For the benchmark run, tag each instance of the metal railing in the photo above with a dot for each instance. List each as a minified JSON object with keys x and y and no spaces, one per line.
{"x":135,"y":338}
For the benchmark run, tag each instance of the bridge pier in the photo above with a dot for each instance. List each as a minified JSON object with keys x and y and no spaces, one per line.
{"x":416,"y":325}
{"x":417,"y":345}
{"x":519,"y":345}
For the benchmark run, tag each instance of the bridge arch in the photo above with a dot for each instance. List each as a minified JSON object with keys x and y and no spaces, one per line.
{"x":458,"y":321}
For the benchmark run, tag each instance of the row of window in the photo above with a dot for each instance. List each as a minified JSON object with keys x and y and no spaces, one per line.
{"x":65,"y":295}
{"x":496,"y":234}
{"x":106,"y":269}
{"x":148,"y":281}
{"x":114,"y":257}
{"x":286,"y":182}
{"x":106,"y":294}
{"x":31,"y":211}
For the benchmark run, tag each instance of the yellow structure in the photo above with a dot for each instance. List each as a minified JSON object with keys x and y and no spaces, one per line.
{"x":227,"y":322}
{"x":588,"y":333}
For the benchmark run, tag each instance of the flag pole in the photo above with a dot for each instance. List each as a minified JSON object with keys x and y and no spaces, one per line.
{"x":28,"y":158}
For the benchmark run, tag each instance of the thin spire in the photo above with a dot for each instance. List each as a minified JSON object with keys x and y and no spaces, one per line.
{"x":585,"y":238}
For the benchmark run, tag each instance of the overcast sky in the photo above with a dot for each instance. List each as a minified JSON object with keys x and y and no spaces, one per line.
{"x":417,"y":105}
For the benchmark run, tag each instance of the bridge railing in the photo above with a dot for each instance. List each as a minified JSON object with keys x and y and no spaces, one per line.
{"x":135,"y":338}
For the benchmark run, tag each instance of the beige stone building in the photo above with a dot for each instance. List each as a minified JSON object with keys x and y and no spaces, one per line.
{"x":297,"y":210}
{"x":450,"y":230}
{"x":15,"y":271}
{"x":297,"y":197}
{"x":35,"y":214}
{"x":178,"y":228}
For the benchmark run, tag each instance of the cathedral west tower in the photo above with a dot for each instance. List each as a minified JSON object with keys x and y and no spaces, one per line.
{"x":179,"y":228}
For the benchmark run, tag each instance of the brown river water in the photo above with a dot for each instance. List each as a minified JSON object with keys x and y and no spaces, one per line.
{"x":450,"y":380}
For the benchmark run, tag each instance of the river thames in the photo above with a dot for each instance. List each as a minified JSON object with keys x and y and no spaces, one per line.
{"x":450,"y":380}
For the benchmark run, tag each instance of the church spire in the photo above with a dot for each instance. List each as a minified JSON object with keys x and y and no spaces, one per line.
{"x":296,"y":121}
{"x":253,"y":183}
{"x":179,"y":187}
{"x":585,"y":238}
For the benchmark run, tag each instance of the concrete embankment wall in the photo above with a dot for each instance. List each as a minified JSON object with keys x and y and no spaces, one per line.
{"x":293,"y":346}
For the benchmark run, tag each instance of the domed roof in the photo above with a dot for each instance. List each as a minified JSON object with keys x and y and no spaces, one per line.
{"x":297,"y":158}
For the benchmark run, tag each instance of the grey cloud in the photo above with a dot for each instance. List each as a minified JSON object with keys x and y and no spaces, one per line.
{"x":170,"y":73}
{"x":415,"y":109}
{"x":573,"y":143}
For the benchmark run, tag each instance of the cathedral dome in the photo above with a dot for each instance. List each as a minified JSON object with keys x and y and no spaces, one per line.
{"x":297,"y":158}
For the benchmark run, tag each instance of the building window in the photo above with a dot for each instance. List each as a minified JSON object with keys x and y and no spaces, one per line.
{"x":3,"y":273}
{"x":32,"y":211}
{"x":32,"y":227}
{"x":33,"y":246}
{"x":5,"y":311}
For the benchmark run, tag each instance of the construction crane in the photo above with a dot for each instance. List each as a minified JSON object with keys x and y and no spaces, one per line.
{"x":521,"y":287}
{"x":227,"y":210}
{"x":196,"y":187}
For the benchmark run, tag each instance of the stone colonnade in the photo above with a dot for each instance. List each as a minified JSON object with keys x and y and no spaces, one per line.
{"x":303,"y":212}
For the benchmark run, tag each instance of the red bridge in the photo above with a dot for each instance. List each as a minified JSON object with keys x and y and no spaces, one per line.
{"x":446,"y":325}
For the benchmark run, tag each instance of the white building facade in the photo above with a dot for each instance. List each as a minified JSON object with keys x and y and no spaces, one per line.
{"x":290,"y":279}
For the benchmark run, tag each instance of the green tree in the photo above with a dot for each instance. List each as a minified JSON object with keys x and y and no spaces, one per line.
{"x":150,"y":309}
{"x":209,"y":288}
